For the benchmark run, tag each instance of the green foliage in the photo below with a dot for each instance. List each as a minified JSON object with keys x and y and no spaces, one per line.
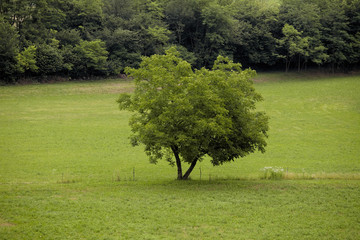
{"x":294,"y":45}
{"x":68,"y":37}
{"x":8,"y":51}
{"x":159,"y":34}
{"x":72,"y":61}
{"x":291,"y":43}
{"x":335,"y":33}
{"x":33,"y":20}
{"x":253,"y":33}
{"x":304,"y":16}
{"x":193,"y":114}
{"x":86,"y":15}
{"x":94,"y":55}
{"x":218,"y":25}
{"x":246,"y":31}
{"x":48,"y":59}
{"x":185,"y":54}
{"x":123,"y":47}
{"x":122,"y":9}
{"x":89,"y":8}
{"x":26,"y":60}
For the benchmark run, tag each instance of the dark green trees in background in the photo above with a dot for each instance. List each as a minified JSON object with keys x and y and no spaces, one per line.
{"x":255,"y":29}
{"x":8,"y":51}
{"x":301,"y":41}
{"x":53,"y":37}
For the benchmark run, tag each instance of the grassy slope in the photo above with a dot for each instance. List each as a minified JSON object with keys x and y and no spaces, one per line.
{"x":314,"y":124}
{"x":63,"y":148}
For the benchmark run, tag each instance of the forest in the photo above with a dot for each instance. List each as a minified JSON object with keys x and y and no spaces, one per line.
{"x":87,"y":38}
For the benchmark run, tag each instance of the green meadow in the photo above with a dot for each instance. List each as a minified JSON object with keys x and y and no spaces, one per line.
{"x":68,"y":171}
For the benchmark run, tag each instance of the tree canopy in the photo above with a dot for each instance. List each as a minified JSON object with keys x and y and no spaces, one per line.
{"x":259,"y":34}
{"x":183,"y":115}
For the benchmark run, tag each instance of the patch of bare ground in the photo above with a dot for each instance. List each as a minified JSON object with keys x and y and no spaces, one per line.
{"x":7,"y":224}
{"x":120,"y":87}
{"x":4,"y":223}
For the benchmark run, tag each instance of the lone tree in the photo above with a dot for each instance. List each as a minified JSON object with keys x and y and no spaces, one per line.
{"x":183,"y":115}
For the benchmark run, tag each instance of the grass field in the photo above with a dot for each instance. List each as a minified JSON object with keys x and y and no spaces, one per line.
{"x":67,"y":169}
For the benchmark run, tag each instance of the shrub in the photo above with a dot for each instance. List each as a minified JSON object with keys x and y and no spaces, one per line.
{"x":273,"y":173}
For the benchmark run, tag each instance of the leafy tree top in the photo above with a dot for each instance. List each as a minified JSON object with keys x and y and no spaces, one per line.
{"x":188,"y":114}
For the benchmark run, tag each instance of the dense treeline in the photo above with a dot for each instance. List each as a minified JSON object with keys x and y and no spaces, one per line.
{"x":82,"y":38}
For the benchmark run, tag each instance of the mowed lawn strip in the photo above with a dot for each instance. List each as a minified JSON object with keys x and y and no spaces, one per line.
{"x":67,"y":170}
{"x":255,"y":209}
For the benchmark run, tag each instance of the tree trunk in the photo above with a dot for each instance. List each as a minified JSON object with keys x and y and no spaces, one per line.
{"x":186,"y":175}
{"x":175,"y":150}
{"x":178,"y":162}
{"x":287,"y":65}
